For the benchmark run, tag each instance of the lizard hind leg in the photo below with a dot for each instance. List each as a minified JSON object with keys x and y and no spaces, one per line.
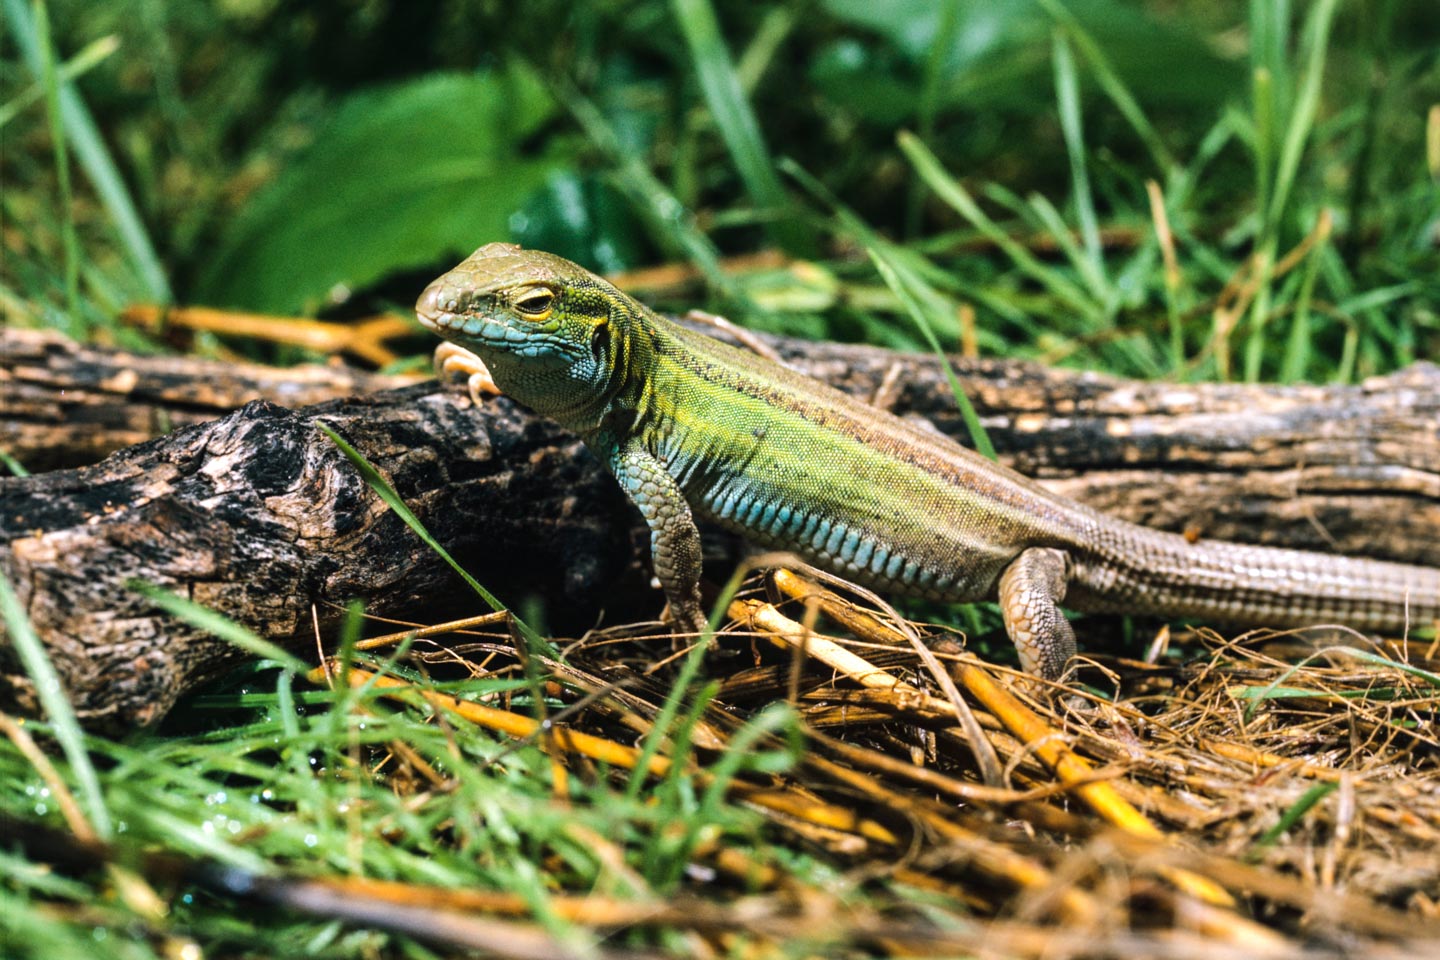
{"x":1031,"y":589}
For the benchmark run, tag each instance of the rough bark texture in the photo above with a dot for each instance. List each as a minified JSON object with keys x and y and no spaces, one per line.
{"x":257,"y":515}
{"x":66,"y":405}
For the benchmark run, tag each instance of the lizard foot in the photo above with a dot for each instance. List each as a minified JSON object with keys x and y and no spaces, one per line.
{"x":453,"y":361}
{"x":1031,"y":589}
{"x":690,"y":619}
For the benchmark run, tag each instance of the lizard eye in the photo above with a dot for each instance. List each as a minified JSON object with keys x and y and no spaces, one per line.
{"x":535,"y":304}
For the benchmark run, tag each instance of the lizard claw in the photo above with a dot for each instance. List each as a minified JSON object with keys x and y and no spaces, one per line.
{"x":453,"y":361}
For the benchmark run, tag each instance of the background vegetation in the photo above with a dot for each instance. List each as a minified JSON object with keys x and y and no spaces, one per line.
{"x":1014,"y":160}
{"x":327,"y":158}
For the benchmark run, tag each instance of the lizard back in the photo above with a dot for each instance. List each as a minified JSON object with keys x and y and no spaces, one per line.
{"x":794,"y":464}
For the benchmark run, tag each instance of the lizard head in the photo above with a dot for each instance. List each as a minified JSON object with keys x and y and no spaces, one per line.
{"x":544,"y":326}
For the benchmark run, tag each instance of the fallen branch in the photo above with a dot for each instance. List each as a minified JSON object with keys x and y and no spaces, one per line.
{"x":257,"y":515}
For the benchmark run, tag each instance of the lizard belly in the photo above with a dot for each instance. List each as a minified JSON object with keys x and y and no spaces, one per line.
{"x":857,"y":538}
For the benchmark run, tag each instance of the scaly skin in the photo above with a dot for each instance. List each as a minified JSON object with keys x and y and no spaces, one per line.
{"x":687,"y":423}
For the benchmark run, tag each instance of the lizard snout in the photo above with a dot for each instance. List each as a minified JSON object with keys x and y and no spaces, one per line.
{"x":437,"y":306}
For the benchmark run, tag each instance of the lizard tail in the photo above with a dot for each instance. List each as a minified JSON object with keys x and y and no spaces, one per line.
{"x":1168,"y":575}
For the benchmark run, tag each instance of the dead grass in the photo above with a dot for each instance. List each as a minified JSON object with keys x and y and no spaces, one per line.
{"x":1274,"y":797}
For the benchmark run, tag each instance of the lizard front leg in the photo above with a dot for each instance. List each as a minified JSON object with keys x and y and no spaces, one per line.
{"x":674,"y":539}
{"x":452,"y":359}
{"x":1031,"y":589}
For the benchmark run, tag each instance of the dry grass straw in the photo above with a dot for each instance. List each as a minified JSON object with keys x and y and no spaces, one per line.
{"x":1255,"y":802}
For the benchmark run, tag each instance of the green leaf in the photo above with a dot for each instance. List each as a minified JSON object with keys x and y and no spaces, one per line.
{"x":581,"y":218}
{"x":398,"y":178}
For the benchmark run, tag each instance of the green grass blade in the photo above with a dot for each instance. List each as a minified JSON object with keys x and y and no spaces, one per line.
{"x":1297,"y":351}
{"x":1377,"y":660}
{"x":922,"y":302}
{"x":393,"y":501}
{"x":1043,"y":210}
{"x":941,"y":46}
{"x":1269,"y":25}
{"x":92,"y":55}
{"x":660,"y":728}
{"x":756,"y":58}
{"x":949,"y":189}
{"x":1264,"y":120}
{"x":1378,"y":297}
{"x":673,"y":224}
{"x":1313,"y":46}
{"x":16,"y":468}
{"x":1110,"y":82}
{"x":1293,"y":815}
{"x":220,"y":626}
{"x":898,"y":279}
{"x":1256,"y":695}
{"x":94,"y":158}
{"x":741,"y":753}
{"x":1260,"y":310}
{"x":70,"y":239}
{"x":664,"y":720}
{"x":738,"y":127}
{"x":1303,"y":693}
{"x":51,"y":694}
{"x":1067,"y":95}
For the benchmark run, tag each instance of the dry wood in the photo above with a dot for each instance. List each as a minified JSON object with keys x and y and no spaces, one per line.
{"x":1349,"y":469}
{"x":67,"y":405}
{"x":258,"y":516}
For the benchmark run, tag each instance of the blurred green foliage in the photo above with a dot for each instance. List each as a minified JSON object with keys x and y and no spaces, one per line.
{"x":997,"y":56}
{"x":327,"y":157}
{"x":399,"y":177}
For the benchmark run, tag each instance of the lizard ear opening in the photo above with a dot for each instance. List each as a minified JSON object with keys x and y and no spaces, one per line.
{"x":535,"y":303}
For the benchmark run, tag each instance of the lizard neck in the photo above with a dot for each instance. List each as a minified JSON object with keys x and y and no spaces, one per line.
{"x":625,"y":400}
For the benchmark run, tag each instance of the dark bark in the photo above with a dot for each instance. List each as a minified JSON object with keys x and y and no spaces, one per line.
{"x":258,"y":516}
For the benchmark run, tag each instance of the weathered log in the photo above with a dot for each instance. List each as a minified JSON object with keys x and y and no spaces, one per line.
{"x":63,"y":404}
{"x":1313,"y":467}
{"x":258,"y":516}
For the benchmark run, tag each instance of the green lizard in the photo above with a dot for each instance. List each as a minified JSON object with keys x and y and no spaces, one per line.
{"x":693,"y":427}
